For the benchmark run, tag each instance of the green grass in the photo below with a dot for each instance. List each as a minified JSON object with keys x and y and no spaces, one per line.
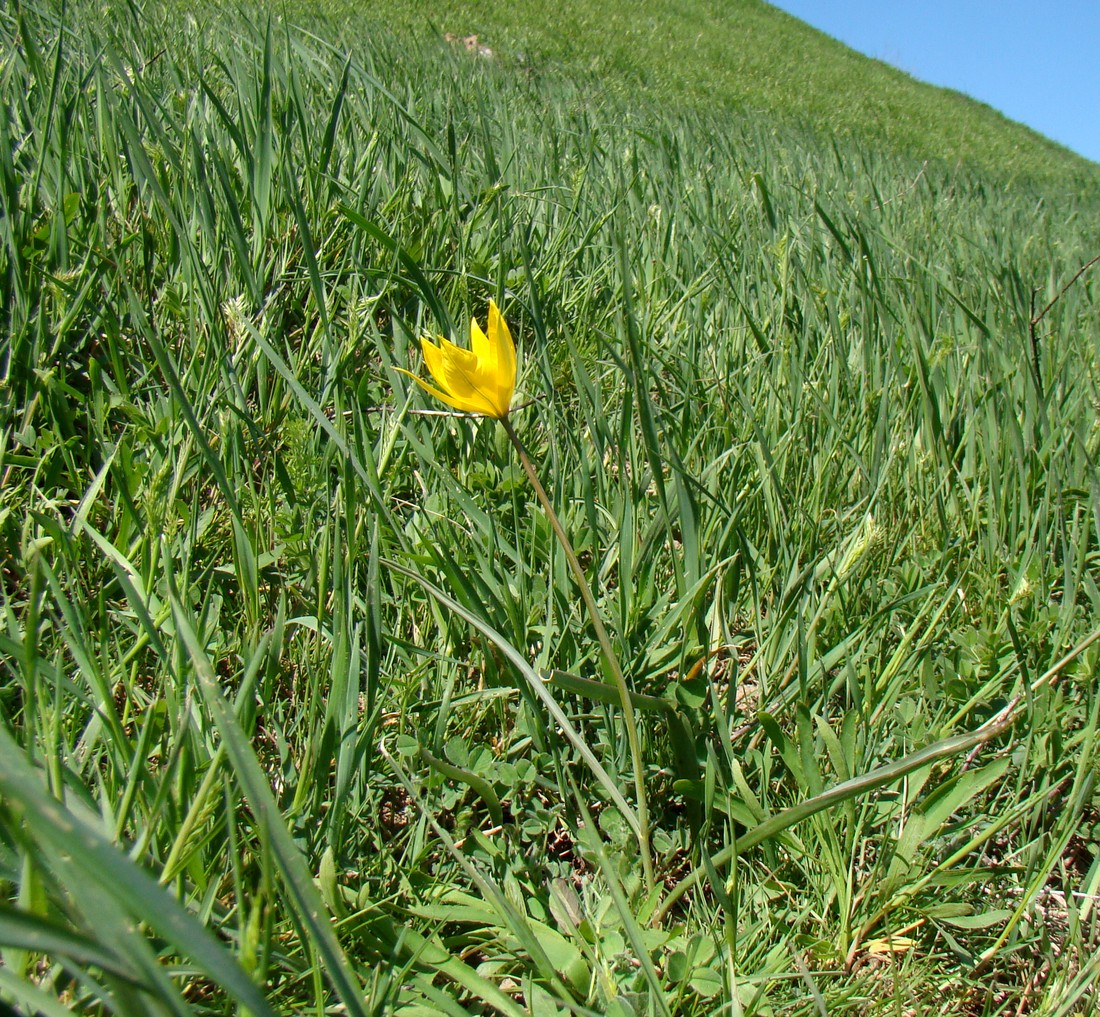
{"x":301,"y":712}
{"x":748,"y":59}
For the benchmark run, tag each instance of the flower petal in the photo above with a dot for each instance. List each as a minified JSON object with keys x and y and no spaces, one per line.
{"x":475,"y":405}
{"x":479,"y":343}
{"x":500,"y":338}
{"x":454,"y":368}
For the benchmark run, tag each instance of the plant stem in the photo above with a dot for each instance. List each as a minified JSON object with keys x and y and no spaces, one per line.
{"x":609,"y":654}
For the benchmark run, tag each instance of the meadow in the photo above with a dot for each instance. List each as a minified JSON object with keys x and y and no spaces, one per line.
{"x":301,"y":709}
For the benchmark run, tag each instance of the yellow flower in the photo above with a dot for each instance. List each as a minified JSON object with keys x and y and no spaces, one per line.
{"x":478,"y":380}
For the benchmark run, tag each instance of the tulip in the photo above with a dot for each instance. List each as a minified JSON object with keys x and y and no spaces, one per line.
{"x":478,"y":380}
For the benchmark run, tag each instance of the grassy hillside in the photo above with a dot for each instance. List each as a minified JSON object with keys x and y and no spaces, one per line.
{"x":301,"y":708}
{"x":745,"y":56}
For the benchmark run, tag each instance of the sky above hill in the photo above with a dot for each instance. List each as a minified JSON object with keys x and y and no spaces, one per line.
{"x":1036,"y":62}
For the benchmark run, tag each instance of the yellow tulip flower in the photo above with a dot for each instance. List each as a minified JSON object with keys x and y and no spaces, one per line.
{"x":478,"y":380}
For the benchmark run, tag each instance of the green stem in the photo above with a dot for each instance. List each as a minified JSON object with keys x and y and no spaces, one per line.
{"x":604,"y":639}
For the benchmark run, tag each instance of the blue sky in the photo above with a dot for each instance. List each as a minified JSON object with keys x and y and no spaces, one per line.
{"x":1037,"y":62}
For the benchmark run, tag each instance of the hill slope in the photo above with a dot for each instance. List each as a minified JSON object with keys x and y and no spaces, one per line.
{"x":748,"y":56}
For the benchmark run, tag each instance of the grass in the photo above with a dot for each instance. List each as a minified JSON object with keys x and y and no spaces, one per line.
{"x":751,"y":60}
{"x":301,"y":709}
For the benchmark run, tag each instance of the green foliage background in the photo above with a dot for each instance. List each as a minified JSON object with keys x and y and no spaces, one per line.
{"x":743,"y":57}
{"x":278,"y":646}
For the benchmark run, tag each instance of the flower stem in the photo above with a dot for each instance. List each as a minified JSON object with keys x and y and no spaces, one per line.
{"x":604,"y":639}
